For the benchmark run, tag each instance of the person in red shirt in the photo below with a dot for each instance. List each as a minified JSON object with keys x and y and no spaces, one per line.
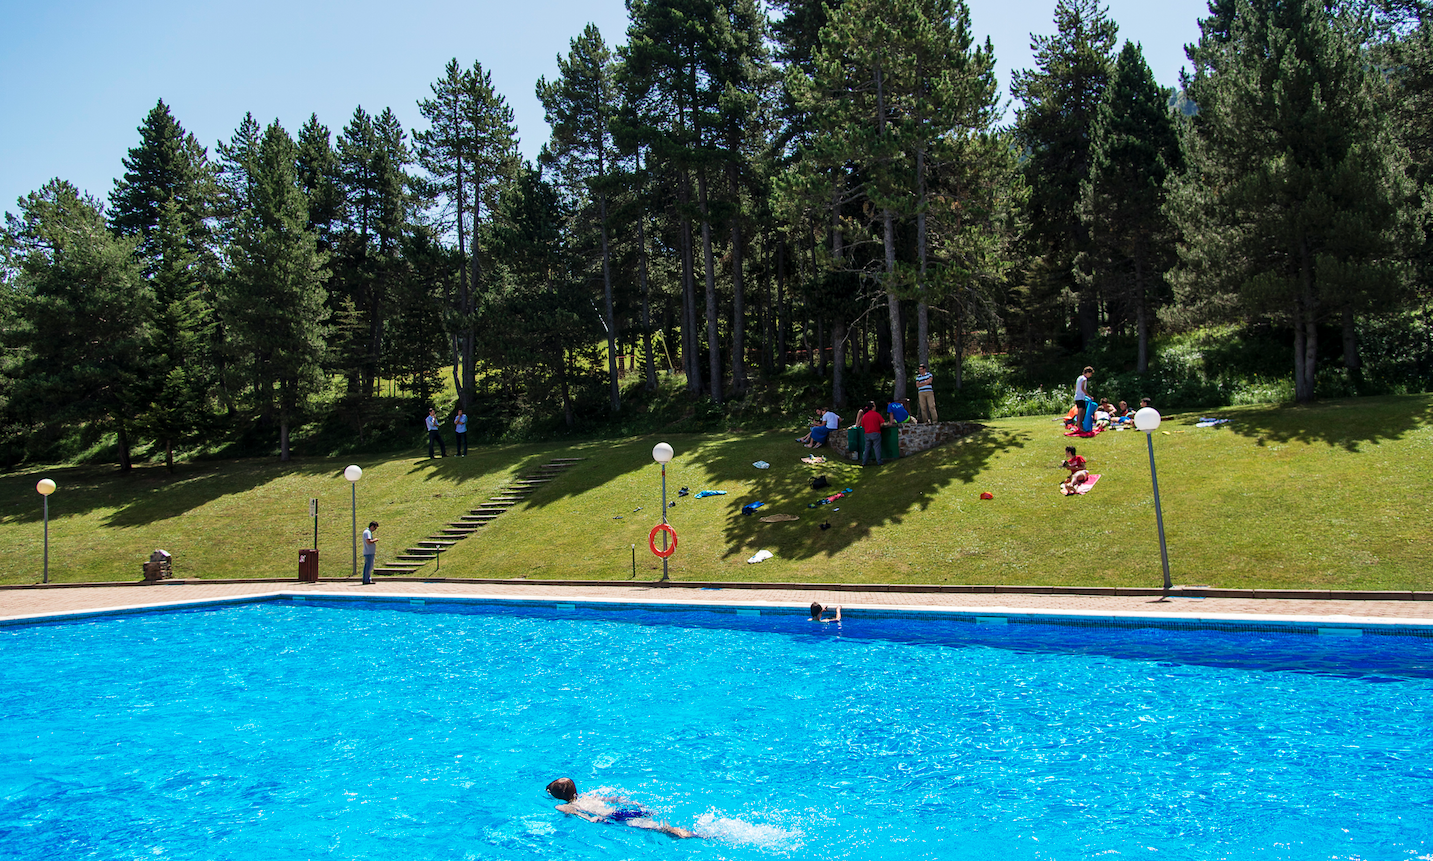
{"x":1078,"y":473}
{"x":871,"y":424}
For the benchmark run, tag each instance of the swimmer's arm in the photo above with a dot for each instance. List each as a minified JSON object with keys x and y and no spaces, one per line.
{"x":578,"y":811}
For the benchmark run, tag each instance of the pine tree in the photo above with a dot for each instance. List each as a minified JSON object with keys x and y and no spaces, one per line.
{"x":1296,"y":198}
{"x":1060,"y":99}
{"x":1133,"y":150}
{"x":274,"y":304}
{"x":318,"y":175}
{"x":471,"y":152}
{"x":83,"y":310}
{"x":165,"y":201}
{"x":372,"y":154}
{"x":168,"y":168}
{"x":580,"y":106}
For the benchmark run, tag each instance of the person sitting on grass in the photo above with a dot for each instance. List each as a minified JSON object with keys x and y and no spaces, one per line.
{"x":1078,"y":473}
{"x":611,"y":809}
{"x":826,"y":422}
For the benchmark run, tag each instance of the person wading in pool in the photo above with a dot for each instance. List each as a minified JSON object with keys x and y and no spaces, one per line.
{"x":608,"y":808}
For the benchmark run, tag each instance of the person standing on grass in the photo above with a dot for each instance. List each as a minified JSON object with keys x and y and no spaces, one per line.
{"x":433,"y":435}
{"x":1082,"y":393}
{"x":871,"y":423}
{"x":926,"y":389}
{"x":460,"y":432}
{"x":370,"y":551}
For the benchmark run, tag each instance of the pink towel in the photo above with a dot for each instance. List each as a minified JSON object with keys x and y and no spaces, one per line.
{"x":1085,"y":434}
{"x":1084,"y":486}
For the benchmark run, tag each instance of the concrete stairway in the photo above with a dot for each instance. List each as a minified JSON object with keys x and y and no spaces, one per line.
{"x":423,"y":552}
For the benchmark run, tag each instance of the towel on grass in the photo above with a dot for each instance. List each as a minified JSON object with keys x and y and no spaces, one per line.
{"x":703,"y":494}
{"x":759,"y":556}
{"x":1209,"y":423}
{"x":813,"y":459}
{"x":751,"y":506}
{"x":1084,"y":487}
{"x":779,"y":518}
{"x":1083,"y":433}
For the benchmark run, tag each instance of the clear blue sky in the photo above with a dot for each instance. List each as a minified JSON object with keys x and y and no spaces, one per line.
{"x":80,"y":76}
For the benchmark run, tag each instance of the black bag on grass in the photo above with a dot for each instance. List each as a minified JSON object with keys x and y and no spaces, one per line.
{"x":819,"y":482}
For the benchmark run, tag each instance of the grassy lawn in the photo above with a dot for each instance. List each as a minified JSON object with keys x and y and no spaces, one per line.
{"x":1332,"y":495}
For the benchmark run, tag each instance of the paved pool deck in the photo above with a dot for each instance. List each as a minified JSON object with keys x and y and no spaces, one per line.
{"x":36,"y":601}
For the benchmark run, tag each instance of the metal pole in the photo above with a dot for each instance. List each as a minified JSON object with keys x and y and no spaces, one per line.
{"x":46,"y":576}
{"x":1158,"y":516}
{"x":664,"y":519}
{"x":353,"y":487}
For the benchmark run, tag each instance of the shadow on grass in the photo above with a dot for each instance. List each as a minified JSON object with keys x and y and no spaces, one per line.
{"x":146,"y":494}
{"x":1345,"y":424}
{"x":881,"y":495}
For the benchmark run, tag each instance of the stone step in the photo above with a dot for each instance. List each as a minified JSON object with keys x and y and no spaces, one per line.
{"x":420,"y":558}
{"x":456,"y":533}
{"x":480,"y":519}
{"x":391,"y":570}
{"x":436,"y":544}
{"x":507,"y":498}
{"x":567,"y":460}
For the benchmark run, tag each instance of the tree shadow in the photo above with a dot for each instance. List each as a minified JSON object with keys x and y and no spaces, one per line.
{"x":145,"y":494}
{"x":1346,"y":424}
{"x":880,"y":495}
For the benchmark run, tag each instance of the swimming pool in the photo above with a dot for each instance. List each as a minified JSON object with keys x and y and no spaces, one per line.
{"x":422,"y":731}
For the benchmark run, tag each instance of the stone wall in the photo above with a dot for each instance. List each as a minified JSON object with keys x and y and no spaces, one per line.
{"x":914,"y":437}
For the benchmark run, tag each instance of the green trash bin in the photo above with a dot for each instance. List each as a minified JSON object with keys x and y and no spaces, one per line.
{"x":855,"y":439}
{"x":891,"y":443}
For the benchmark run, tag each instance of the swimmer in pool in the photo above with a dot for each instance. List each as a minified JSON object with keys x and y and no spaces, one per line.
{"x":606,"y":808}
{"x":817,"y":610}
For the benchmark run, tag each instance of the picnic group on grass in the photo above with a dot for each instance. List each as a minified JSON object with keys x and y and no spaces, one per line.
{"x":1086,"y":418}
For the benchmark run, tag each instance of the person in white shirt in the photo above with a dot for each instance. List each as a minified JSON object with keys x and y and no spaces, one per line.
{"x":1082,"y":393}
{"x":370,"y":551}
{"x":433,"y":435}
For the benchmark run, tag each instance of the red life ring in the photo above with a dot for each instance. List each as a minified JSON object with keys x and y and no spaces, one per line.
{"x":652,"y":540}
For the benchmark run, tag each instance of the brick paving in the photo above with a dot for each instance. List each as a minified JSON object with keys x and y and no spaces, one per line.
{"x":39,"y":601}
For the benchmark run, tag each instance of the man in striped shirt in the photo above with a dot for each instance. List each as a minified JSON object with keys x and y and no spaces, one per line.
{"x":927,"y":394}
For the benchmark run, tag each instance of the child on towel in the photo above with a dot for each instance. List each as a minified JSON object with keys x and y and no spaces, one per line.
{"x":1078,"y":473}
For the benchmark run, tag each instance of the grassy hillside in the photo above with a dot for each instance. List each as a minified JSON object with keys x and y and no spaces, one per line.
{"x":1332,"y":495}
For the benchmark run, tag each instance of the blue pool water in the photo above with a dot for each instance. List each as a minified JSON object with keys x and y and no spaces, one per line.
{"x":395,"y":731}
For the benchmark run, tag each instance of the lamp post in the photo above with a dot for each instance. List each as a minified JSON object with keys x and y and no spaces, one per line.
{"x":46,"y":487}
{"x":1147,"y":420}
{"x":353,"y":473}
{"x":662,"y":453}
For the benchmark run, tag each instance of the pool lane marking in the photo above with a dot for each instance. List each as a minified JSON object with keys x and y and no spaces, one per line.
{"x":1341,"y":622}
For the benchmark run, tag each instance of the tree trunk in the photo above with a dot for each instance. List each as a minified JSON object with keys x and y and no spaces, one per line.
{"x":169,"y":453}
{"x":709,"y":264}
{"x":1141,"y":314}
{"x":1351,"y":359}
{"x":781,"y":318}
{"x":1305,"y":330}
{"x":922,"y":311}
{"x":122,"y":443}
{"x":613,"y":389}
{"x":646,"y":298}
{"x":838,"y":363}
{"x":689,"y":317}
{"x":284,"y":438}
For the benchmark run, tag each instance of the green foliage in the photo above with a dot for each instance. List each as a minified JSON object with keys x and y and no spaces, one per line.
{"x":1060,"y":101}
{"x":273,"y":301}
{"x":80,"y":319}
{"x":1309,"y":218}
{"x":1133,"y":152}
